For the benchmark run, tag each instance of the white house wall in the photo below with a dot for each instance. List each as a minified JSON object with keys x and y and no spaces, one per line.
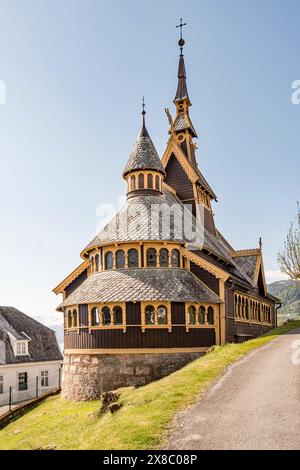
{"x":10,"y":374}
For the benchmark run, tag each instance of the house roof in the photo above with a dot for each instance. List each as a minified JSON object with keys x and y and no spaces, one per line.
{"x":42,"y":344}
{"x":142,"y":284}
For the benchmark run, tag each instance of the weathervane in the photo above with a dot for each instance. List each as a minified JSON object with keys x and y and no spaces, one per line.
{"x":181,"y":41}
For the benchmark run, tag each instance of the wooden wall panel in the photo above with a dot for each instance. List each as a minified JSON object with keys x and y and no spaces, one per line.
{"x":76,"y":283}
{"x":211,"y":281}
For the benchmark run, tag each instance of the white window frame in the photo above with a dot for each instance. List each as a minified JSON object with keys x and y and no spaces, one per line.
{"x":44,"y":377}
{"x":22,"y":348}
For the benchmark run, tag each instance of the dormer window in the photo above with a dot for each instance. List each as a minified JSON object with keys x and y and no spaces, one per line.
{"x":22,"y":348}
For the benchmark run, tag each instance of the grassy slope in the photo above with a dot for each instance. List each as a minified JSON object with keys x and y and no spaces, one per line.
{"x":142,"y":421}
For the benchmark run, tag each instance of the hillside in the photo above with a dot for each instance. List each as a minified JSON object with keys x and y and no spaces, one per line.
{"x":289,"y":293}
{"x":143,"y":420}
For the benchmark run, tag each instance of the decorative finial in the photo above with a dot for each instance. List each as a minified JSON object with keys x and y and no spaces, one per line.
{"x":181,"y":41}
{"x":143,"y":111}
{"x":260,"y":243}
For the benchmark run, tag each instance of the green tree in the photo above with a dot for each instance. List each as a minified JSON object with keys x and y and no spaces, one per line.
{"x":289,"y":257}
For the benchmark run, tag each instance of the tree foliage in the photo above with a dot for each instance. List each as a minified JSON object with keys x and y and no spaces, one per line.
{"x":289,"y":257}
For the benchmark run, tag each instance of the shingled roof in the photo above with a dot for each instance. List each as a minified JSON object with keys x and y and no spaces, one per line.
{"x":42,"y":345}
{"x":134,"y":285}
{"x":144,"y":155}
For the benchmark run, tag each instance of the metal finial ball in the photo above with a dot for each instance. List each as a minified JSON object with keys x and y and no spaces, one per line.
{"x":181,"y":42}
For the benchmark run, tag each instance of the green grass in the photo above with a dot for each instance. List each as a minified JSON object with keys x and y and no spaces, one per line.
{"x":142,"y":421}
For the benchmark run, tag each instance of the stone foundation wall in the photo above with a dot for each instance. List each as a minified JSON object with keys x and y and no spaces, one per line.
{"x":85,"y":377}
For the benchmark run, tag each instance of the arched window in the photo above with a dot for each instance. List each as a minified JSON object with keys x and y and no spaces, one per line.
{"x":118,"y":317}
{"x":92,"y":265}
{"x":201,"y":313}
{"x":210,"y":316}
{"x":157,"y":183}
{"x":141,"y":181}
{"x":192,"y":314}
{"x":247,"y":309}
{"x":69,"y":319}
{"x":106,"y":316}
{"x":162,"y":315}
{"x":120,"y":259}
{"x":133,"y":186}
{"x":151,"y":257}
{"x":97,"y":262}
{"x":133,"y":260}
{"x":109,"y":263}
{"x":175,"y":258}
{"x":75,"y":319}
{"x":163,"y":258}
{"x":95,"y":316}
{"x":149,"y":315}
{"x":150,"y":181}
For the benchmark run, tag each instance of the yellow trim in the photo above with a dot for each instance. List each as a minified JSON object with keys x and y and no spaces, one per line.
{"x":248,"y":252}
{"x":249,"y":301}
{"x":156,"y":325}
{"x":134,"y":351}
{"x":206,"y":265}
{"x":197,"y":305}
{"x":174,"y":149}
{"x":111,"y":326}
{"x":74,"y":274}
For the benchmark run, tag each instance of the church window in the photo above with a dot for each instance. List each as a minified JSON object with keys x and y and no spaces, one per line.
{"x":162,"y":315}
{"x":150,"y":181}
{"x":133,"y":261}
{"x":120,"y":259}
{"x":95,"y":316}
{"x":109,"y":260}
{"x":210,"y":316}
{"x":133,"y":187}
{"x":157,"y":182}
{"x":175,"y":258}
{"x":141,"y":181}
{"x":201,"y":314}
{"x":149,"y":311}
{"x":192,"y":315}
{"x":118,"y":317}
{"x":163,"y":258}
{"x":106,"y":316}
{"x":75,"y":318}
{"x":151,"y":257}
{"x":97,"y":262}
{"x":69,"y":319}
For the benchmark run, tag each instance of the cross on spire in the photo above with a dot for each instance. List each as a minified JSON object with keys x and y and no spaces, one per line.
{"x":180,"y":25}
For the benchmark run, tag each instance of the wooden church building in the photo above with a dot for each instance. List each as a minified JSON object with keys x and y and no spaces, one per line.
{"x":146,"y":300}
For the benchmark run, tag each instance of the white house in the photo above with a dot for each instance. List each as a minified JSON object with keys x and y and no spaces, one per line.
{"x":30,"y":359}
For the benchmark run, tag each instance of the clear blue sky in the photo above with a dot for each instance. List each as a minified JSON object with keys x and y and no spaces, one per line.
{"x":75,"y":72}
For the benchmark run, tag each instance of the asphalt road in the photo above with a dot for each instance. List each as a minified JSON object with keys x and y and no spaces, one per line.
{"x":255,"y":405}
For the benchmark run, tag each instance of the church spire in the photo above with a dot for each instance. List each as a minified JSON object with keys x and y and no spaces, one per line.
{"x":181,"y":92}
{"x":144,"y":132}
{"x":144,"y":171}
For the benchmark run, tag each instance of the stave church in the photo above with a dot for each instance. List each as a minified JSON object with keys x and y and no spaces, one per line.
{"x":149,"y":295}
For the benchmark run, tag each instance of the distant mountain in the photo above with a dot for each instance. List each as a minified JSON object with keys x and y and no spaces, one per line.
{"x":289,"y":293}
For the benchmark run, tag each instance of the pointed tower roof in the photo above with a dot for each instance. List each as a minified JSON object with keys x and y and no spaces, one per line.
{"x":143,"y":155}
{"x":181,"y":92}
